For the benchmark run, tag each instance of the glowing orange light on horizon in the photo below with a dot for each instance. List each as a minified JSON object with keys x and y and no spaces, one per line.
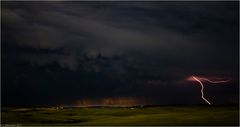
{"x":120,"y":101}
{"x":200,"y":79}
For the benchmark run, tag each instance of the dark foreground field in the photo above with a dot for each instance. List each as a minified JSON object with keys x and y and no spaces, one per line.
{"x":166,"y":115}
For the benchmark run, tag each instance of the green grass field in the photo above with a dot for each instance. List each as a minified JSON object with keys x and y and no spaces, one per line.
{"x":165,"y":115}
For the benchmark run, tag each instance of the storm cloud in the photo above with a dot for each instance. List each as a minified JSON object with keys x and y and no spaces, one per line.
{"x":59,"y":52}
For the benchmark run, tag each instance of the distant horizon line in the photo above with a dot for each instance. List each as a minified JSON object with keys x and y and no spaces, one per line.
{"x":123,"y":106}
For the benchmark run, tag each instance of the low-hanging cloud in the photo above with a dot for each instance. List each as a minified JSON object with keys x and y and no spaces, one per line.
{"x":108,"y":46}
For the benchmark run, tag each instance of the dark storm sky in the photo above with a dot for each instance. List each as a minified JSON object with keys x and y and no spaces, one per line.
{"x":61,"y":52}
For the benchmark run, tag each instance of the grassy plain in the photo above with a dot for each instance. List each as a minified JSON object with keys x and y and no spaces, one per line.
{"x":163,"y":115}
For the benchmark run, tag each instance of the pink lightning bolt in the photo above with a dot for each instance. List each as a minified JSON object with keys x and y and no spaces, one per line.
{"x":199,"y":80}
